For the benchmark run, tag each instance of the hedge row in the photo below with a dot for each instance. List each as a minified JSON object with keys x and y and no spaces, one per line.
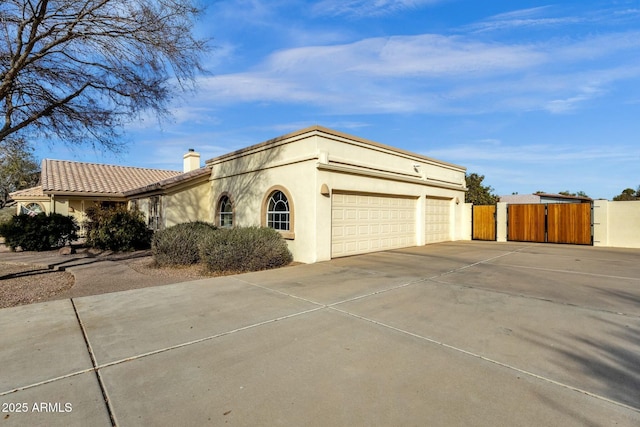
{"x":238,"y":249}
{"x":39,"y":232}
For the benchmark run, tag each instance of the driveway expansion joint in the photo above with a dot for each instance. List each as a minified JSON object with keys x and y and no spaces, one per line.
{"x":92,"y":356}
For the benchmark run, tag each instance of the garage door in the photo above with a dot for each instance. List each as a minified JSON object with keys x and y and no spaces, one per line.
{"x":363,"y":223}
{"x":437,"y":220}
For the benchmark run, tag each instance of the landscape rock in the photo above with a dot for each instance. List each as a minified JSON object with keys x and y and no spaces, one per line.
{"x":67,"y":250}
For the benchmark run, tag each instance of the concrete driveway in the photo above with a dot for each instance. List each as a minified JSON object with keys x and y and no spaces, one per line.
{"x":462,"y":333}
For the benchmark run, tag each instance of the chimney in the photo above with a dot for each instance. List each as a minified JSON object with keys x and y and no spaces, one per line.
{"x":191,"y":161}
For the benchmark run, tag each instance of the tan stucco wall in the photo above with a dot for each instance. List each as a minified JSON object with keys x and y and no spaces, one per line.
{"x":616,"y":224}
{"x":248,"y":191}
{"x":186,"y":204}
{"x":501,"y":222}
{"x":143,"y":206}
{"x":466,"y":226}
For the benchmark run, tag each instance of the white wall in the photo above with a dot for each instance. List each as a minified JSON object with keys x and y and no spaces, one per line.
{"x":616,"y":224}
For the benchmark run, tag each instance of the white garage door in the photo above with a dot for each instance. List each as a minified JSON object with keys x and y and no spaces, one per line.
{"x":437,"y":220}
{"x":363,"y":223}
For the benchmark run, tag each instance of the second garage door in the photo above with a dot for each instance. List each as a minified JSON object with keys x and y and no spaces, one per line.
{"x":363,"y":223}
{"x":437,"y":227}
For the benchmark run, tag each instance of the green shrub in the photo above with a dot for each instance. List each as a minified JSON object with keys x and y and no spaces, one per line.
{"x":39,"y":232}
{"x":116,"y":229}
{"x":179,"y":245}
{"x":244,"y":249}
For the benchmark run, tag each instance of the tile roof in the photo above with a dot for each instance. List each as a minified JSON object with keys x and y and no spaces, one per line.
{"x":170,"y":182}
{"x":28,"y":192}
{"x":61,"y":176}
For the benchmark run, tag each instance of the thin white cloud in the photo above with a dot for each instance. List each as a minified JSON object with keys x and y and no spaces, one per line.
{"x":435,"y":73}
{"x":557,"y":16}
{"x":524,"y":18}
{"x":365,"y":8}
{"x":534,"y":154}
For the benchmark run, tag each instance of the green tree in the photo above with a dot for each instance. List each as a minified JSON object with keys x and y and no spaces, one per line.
{"x":628,"y":194}
{"x":477,"y":193}
{"x":18,"y":168}
{"x":578,"y":194}
{"x":77,"y":70}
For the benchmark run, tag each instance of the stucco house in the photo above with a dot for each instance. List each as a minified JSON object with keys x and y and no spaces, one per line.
{"x":331,"y":194}
{"x":328,"y":193}
{"x":68,"y":187}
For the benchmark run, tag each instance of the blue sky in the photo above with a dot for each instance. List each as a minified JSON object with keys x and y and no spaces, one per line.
{"x":533,"y":95}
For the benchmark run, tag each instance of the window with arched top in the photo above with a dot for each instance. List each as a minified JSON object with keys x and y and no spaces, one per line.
{"x":33,"y":209}
{"x":225,"y":212}
{"x":278,"y":213}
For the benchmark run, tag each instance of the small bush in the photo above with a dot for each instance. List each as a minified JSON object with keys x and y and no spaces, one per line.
{"x":117,"y":229}
{"x":244,"y":249}
{"x":179,"y":245}
{"x":39,"y":232}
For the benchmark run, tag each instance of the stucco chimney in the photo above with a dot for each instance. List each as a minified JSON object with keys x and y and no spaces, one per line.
{"x":191,"y":161}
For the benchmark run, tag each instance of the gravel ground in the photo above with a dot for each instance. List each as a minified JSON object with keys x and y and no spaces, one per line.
{"x":28,"y":284}
{"x":147,"y":266}
{"x":20,"y":284}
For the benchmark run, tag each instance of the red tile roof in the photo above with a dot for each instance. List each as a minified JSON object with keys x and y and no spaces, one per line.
{"x":29,"y":192}
{"x":61,"y":176}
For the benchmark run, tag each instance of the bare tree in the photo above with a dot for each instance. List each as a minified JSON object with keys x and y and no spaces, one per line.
{"x":77,"y":70}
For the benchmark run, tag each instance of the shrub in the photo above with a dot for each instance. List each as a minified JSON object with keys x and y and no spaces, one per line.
{"x":117,"y":229}
{"x":244,"y":249}
{"x":39,"y":232}
{"x":179,"y":245}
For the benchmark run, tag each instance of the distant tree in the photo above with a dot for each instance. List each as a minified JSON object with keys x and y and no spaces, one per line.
{"x":628,"y":194}
{"x":18,"y":168}
{"x":578,"y":194}
{"x":77,"y":70}
{"x":477,"y":193}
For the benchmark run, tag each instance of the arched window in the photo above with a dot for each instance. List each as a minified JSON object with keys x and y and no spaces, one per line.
{"x":225,"y":212}
{"x":278,"y":213}
{"x":33,"y":209}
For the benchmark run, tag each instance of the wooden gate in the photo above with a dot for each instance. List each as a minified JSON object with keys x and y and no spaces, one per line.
{"x":526,"y":223}
{"x":550,"y":223}
{"x":569,"y":223}
{"x":484,"y":222}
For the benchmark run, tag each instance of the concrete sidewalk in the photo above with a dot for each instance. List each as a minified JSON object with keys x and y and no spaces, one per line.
{"x":465,"y":333}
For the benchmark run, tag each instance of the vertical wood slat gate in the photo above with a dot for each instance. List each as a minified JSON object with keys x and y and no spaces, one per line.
{"x":484,"y":222}
{"x":526,"y":223}
{"x":550,"y":223}
{"x":569,"y":223}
